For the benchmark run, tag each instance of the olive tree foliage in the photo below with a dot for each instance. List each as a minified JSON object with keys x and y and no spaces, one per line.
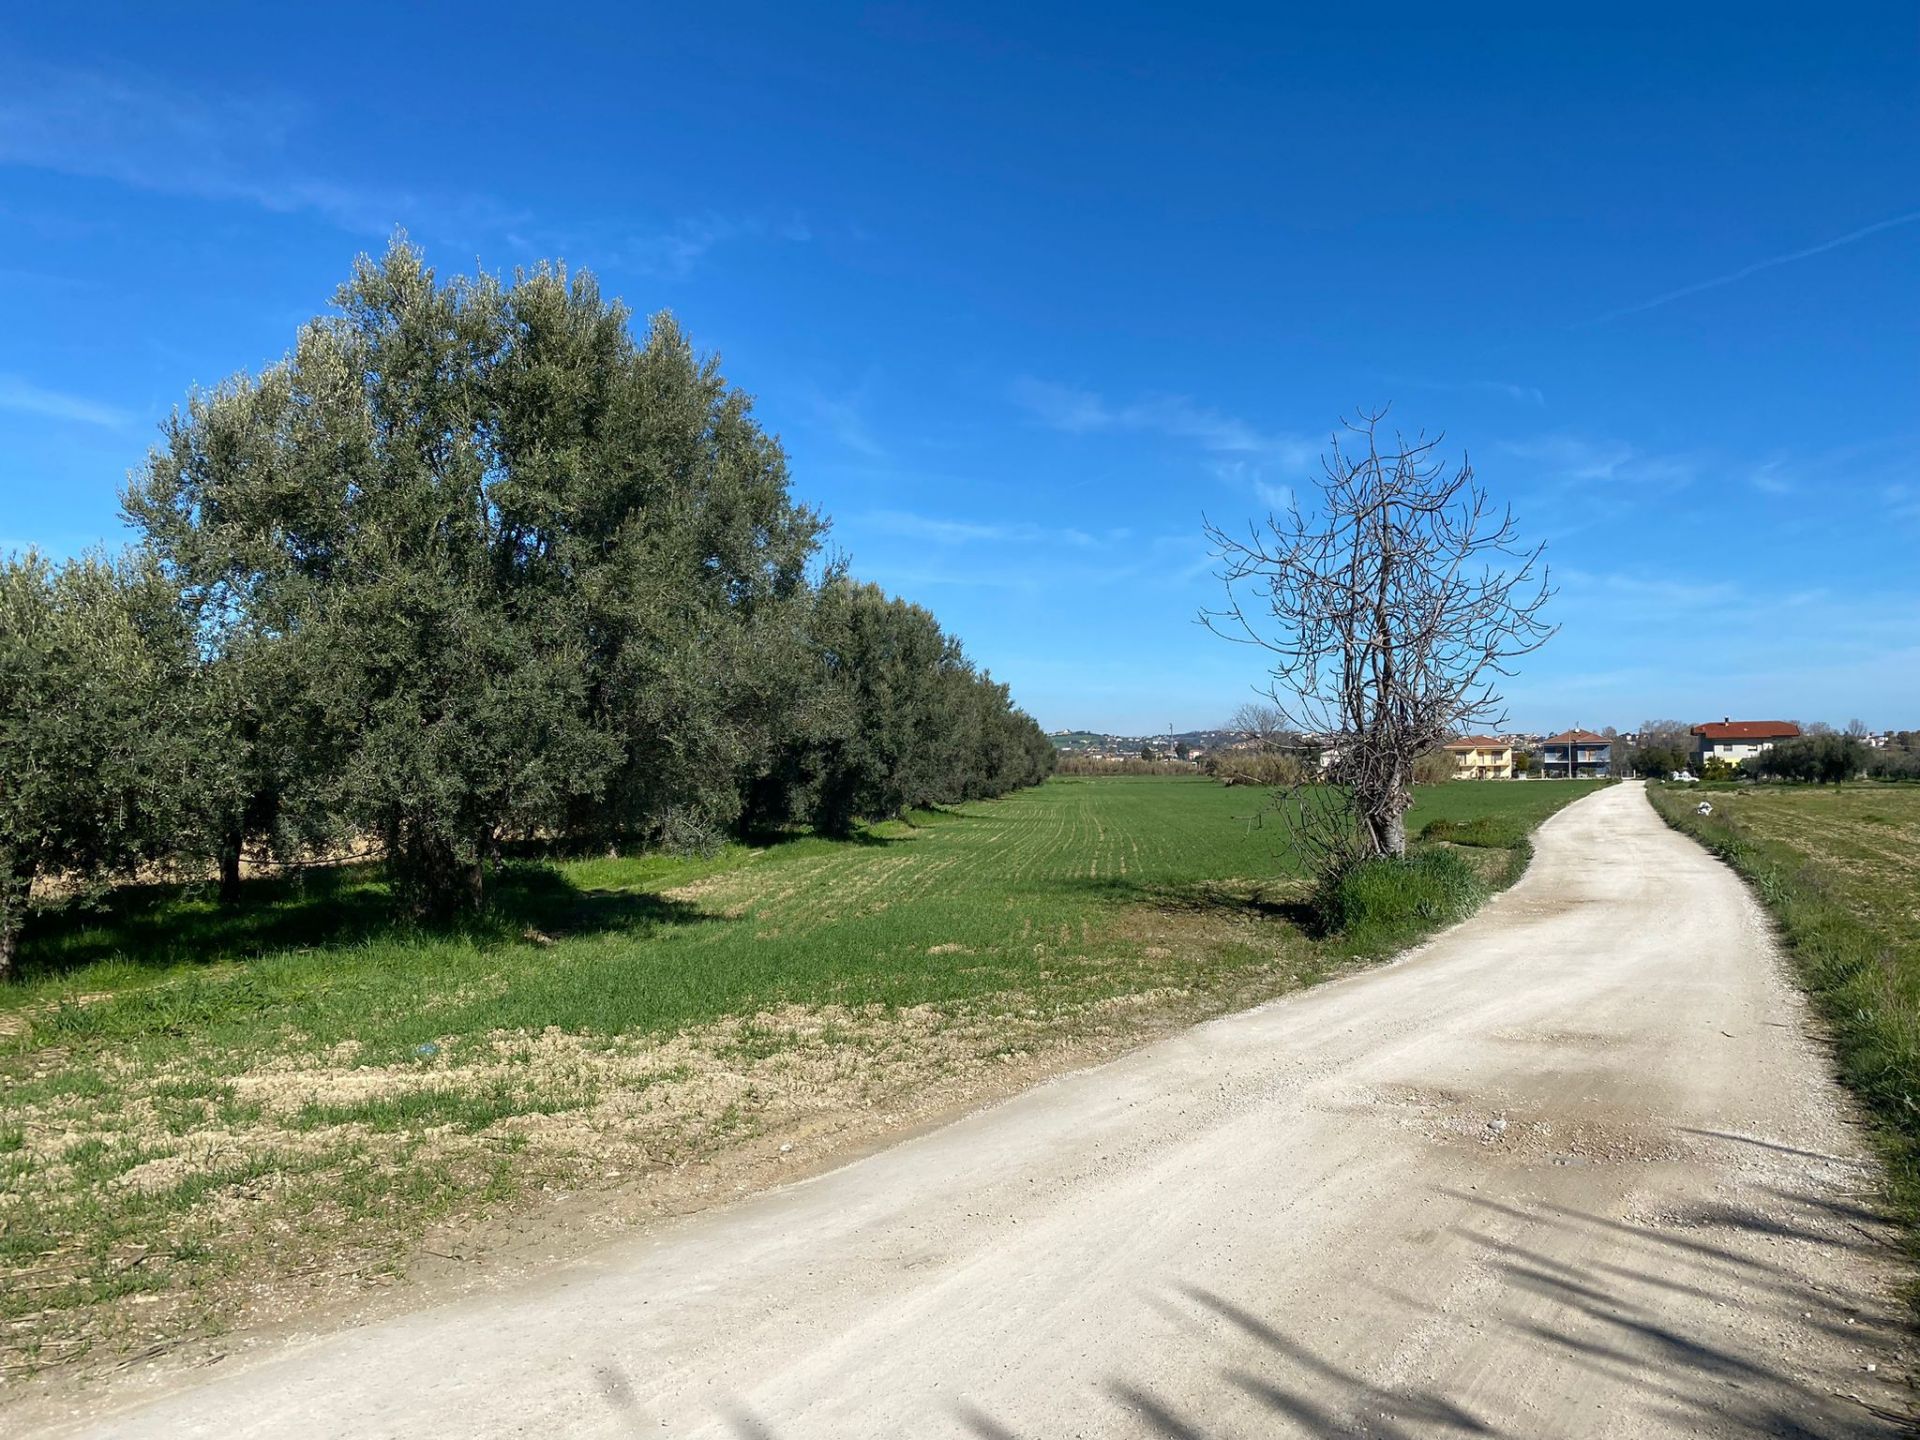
{"x":350,"y":521}
{"x":1660,"y":748}
{"x":899,"y":718}
{"x":1389,"y":611}
{"x":93,"y":656}
{"x":494,"y":560}
{"x":1820,"y":758}
{"x":475,"y":564}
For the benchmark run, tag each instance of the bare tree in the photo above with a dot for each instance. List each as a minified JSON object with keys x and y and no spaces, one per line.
{"x":1269,"y":752}
{"x":1262,"y":726}
{"x":1390,"y":612}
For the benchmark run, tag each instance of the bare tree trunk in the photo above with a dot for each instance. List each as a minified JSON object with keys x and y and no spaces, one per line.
{"x":1390,"y":833}
{"x":1384,"y":814}
{"x":431,"y":876}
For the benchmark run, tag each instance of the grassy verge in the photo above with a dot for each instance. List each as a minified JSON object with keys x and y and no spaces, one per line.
{"x":213,"y":1116}
{"x":1455,"y":863}
{"x":1839,"y":868}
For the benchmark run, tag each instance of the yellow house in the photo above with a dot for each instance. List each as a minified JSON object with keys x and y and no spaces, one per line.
{"x":1481,"y":757}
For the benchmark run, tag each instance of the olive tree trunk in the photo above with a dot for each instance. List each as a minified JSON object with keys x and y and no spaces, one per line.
{"x":16,"y":890}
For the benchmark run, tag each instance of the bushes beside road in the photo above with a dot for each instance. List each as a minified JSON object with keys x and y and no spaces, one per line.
{"x":1493,"y":832}
{"x":1381,"y":903}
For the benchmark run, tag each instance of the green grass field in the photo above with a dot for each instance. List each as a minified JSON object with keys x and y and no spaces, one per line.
{"x":1839,"y":866}
{"x":198,"y":1098}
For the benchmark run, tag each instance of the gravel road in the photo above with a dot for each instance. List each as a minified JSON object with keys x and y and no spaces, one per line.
{"x":1574,"y":1168}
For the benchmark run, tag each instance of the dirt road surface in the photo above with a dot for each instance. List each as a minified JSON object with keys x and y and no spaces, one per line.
{"x":1575,"y":1168}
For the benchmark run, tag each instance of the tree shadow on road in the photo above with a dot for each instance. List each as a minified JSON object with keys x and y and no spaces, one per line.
{"x":1648,"y":1326}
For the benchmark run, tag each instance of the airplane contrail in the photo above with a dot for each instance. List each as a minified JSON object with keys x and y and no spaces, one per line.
{"x":1757,"y":266}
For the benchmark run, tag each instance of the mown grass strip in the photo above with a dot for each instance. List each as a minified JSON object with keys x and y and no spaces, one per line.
{"x":1845,"y":943}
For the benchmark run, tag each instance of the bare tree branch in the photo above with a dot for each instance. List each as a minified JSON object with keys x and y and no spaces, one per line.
{"x":1390,"y":614}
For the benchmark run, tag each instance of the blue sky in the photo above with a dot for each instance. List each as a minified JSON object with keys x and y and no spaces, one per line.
{"x":1027,"y":290}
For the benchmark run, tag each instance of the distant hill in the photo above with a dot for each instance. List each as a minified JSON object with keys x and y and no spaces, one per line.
{"x":1077,"y":739}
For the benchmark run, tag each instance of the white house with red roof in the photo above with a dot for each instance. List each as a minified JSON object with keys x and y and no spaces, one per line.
{"x":1736,"y":740}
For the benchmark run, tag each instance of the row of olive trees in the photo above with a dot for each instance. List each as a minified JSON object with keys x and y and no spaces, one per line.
{"x":470,"y":565}
{"x":94,"y":725}
{"x":1824,"y":759}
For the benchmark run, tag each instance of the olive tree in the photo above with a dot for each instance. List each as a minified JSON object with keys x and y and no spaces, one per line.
{"x":1389,"y":610}
{"x":472,"y":564}
{"x":92,"y":654}
{"x":349,"y":512}
{"x":475,"y":563}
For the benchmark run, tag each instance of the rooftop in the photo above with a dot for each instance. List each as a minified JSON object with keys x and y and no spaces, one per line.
{"x":1577,"y":737}
{"x":1747,"y":730}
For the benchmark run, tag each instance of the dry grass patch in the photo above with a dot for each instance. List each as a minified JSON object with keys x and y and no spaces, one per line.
{"x":163,"y":1203}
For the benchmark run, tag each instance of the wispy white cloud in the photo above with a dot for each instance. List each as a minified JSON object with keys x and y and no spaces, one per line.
{"x":44,"y":280}
{"x":1241,"y":454}
{"x":949,"y":532}
{"x":907,"y":578}
{"x":1544,"y":472}
{"x":1627,"y":591}
{"x":1252,"y":477}
{"x":203,"y":144}
{"x":1065,"y":407}
{"x":1570,"y":458}
{"x":673,"y":251}
{"x":1751,"y":618}
{"x":843,"y":415}
{"x":1501,"y":389}
{"x":28,"y":398}
{"x":1527,"y":394}
{"x":1024,"y":557}
{"x":941,"y":530}
{"x":1770,"y":263}
{"x":243,"y":148}
{"x":1564,"y":484}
